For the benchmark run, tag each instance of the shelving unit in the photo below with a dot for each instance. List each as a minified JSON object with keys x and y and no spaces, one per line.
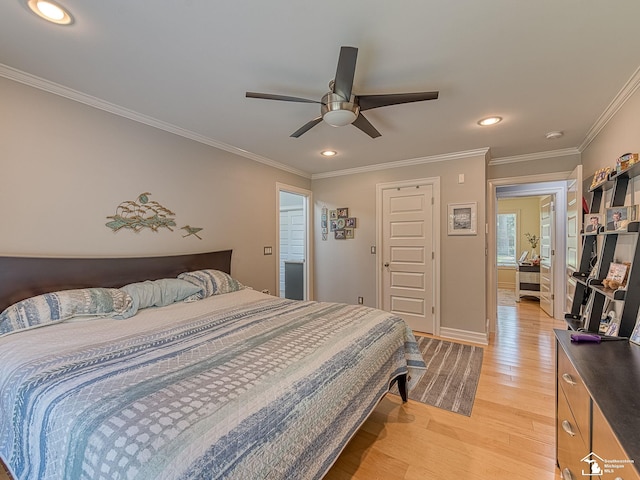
{"x":591,"y":297}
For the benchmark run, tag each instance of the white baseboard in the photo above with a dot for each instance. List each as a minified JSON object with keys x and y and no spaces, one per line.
{"x":465,"y":335}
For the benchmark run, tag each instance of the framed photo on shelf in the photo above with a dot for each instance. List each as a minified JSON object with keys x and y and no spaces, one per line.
{"x":463,"y":218}
{"x":618,"y":272}
{"x":593,"y":222}
{"x":618,"y":218}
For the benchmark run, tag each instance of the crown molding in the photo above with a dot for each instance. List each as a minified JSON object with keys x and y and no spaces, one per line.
{"x":62,"y":91}
{"x":403,"y":163}
{"x":564,"y":152}
{"x":618,"y":101}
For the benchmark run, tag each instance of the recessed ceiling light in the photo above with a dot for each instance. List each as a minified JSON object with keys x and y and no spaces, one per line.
{"x":50,"y":11}
{"x":328,"y":153}
{"x":485,"y":122}
{"x":554,"y":135}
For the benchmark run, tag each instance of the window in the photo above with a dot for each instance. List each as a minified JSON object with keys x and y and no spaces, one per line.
{"x":506,"y":238}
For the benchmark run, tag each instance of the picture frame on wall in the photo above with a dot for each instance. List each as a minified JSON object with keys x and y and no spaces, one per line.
{"x":343,"y":212}
{"x":462,"y":218}
{"x":339,"y":235}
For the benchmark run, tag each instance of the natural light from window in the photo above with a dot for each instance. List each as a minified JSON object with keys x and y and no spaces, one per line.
{"x":507,"y":223}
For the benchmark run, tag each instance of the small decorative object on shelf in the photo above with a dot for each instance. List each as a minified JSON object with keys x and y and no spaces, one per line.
{"x":635,"y":335}
{"x":617,"y":275}
{"x":619,"y":217}
{"x":600,"y":176}
{"x":625,"y":161}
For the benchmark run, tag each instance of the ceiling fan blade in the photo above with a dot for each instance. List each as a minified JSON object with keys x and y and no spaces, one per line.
{"x":343,"y":82}
{"x":306,"y":127}
{"x":364,"y":125}
{"x":284,"y":98}
{"x":367,"y":102}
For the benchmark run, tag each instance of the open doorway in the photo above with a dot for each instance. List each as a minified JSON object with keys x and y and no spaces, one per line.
{"x":554,"y":185}
{"x":293,"y":272}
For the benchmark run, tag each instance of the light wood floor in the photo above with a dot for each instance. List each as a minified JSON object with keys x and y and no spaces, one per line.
{"x":511,"y":431}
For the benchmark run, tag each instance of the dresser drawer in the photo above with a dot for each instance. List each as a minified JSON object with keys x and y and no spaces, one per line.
{"x":576,"y":393}
{"x":607,"y":447}
{"x":572,"y":445}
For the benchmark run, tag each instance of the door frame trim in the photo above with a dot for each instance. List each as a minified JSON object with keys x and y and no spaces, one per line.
{"x":435,"y":184}
{"x":308,"y":253}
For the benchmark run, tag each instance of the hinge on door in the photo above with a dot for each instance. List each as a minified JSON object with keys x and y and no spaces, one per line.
{"x":433,"y":310}
{"x":432,"y":202}
{"x":433,"y":255}
{"x":552,"y":296}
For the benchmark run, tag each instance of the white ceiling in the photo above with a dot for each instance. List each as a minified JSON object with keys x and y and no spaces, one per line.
{"x":186,"y":64}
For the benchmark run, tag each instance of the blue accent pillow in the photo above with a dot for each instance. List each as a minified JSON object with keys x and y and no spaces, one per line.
{"x":158,"y":293}
{"x":212,"y":282}
{"x":57,"y":307}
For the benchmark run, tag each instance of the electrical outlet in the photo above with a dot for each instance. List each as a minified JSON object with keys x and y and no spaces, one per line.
{"x":360,"y":300}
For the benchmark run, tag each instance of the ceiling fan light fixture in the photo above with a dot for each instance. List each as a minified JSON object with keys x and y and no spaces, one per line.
{"x":485,"y":122}
{"x":339,"y":118}
{"x":50,"y":11}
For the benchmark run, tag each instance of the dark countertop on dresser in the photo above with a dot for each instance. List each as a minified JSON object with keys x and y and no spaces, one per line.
{"x":611,"y":372}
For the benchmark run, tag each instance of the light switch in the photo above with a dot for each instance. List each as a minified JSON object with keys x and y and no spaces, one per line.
{"x":461,"y":178}
{"x":268,"y":250}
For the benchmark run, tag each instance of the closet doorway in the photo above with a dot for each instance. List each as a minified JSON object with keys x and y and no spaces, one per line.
{"x":293,"y":252}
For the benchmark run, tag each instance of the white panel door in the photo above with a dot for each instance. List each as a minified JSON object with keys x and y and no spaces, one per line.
{"x":407,"y":235}
{"x":546,"y":253}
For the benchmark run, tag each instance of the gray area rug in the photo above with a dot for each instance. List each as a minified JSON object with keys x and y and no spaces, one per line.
{"x":452,"y":375}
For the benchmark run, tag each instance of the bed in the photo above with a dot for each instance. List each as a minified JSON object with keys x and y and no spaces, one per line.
{"x":238,"y":384}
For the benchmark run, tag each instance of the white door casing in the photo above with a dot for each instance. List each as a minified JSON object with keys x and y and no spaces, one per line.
{"x":407,"y":253}
{"x":546,"y":253}
{"x":305,"y":247}
{"x":574,"y":227}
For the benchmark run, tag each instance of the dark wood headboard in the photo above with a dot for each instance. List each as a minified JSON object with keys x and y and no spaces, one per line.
{"x":24,"y":277}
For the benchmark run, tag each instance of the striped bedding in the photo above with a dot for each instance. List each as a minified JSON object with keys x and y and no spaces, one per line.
{"x":241,"y":386}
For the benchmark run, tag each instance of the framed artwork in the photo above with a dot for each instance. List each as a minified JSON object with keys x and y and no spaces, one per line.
{"x":350,"y":222}
{"x":348,"y":233}
{"x":463,"y":219}
{"x":333,"y":214}
{"x":339,"y":235}
{"x":593,"y":223}
{"x":343,"y":212}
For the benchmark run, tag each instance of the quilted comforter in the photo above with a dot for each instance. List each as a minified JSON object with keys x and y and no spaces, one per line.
{"x":242,"y":385}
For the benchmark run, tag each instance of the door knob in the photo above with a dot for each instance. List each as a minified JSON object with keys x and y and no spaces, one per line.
{"x":386,"y":264}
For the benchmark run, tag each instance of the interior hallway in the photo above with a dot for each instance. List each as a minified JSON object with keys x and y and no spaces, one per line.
{"x":511,"y":431}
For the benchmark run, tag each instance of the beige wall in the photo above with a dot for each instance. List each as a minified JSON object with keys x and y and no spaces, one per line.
{"x":347,"y":269}
{"x":529,"y":222}
{"x":551,"y":162}
{"x":67,"y":166}
{"x":620,"y":135}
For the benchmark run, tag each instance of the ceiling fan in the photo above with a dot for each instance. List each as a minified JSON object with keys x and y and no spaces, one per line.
{"x":339,"y":107}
